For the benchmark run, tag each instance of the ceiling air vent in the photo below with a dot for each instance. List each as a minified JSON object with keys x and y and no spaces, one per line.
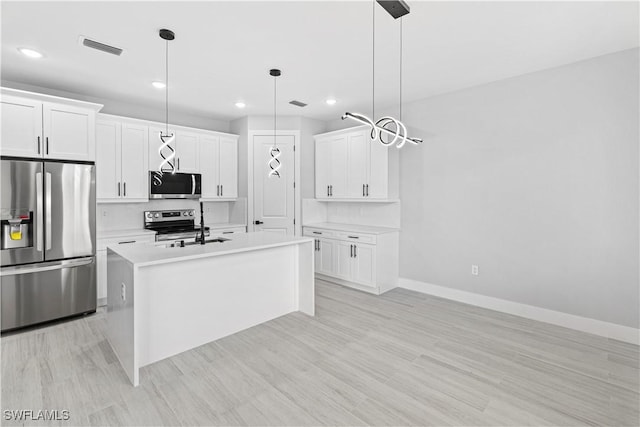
{"x":297,"y":103}
{"x":100,"y":46}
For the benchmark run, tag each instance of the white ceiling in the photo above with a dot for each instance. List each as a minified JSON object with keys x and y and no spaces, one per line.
{"x":223,"y":50}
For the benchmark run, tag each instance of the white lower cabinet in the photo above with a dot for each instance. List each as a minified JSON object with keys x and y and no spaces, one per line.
{"x":368,"y":262}
{"x":101,"y":256}
{"x":227,"y":232}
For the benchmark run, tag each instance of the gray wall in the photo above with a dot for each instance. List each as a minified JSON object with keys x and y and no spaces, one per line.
{"x":534,"y":179}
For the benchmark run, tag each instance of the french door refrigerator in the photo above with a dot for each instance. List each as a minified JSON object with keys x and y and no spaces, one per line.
{"x":47,"y":220}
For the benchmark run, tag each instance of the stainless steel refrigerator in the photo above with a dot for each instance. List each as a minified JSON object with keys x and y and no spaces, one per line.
{"x":47,"y":220}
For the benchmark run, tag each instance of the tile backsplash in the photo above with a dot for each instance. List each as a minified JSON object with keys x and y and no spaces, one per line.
{"x":112,"y":216}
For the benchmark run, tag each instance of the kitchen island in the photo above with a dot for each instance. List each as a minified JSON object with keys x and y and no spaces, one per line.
{"x":164,"y":300}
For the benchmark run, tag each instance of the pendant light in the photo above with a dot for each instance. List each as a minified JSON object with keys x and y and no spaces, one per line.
{"x":386,"y":125}
{"x":274,"y":152}
{"x":165,"y":149}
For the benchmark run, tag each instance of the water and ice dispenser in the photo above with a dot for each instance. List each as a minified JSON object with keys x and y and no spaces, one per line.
{"x":17,"y":229}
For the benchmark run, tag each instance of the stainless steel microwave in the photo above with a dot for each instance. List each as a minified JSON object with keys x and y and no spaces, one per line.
{"x":175,"y":186}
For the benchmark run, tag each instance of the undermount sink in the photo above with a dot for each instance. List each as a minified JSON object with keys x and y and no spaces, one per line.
{"x":184,"y":243}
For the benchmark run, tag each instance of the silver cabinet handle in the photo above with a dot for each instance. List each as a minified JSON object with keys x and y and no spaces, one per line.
{"x":38,"y":145}
{"x":126,"y":241}
{"x":331,"y":190}
{"x":178,"y":161}
{"x":228,"y":232}
{"x":217,"y":190}
{"x":353,"y":237}
{"x":118,"y":189}
{"x":351,"y":253}
{"x":47,"y":141}
{"x":327,"y":191}
{"x":39,"y":213}
{"x":363,"y":190}
{"x":222,"y":190}
{"x":47,"y":209}
{"x":317,"y":232}
{"x":355,"y":251}
{"x":367,"y":190}
{"x":124,"y":189}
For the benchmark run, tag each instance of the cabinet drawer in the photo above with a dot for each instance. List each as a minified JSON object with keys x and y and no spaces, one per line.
{"x":103,"y":243}
{"x":356,"y":237}
{"x":227,"y":231}
{"x":318,"y":232}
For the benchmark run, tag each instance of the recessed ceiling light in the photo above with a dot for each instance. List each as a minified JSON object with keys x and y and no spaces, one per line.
{"x":158,"y":85}
{"x":30,"y":52}
{"x":330,"y":101}
{"x":240,"y":104}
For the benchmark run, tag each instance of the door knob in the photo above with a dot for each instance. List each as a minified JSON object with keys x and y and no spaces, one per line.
{"x":258,"y":222}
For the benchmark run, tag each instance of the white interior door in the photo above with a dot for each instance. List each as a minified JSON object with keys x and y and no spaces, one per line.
{"x":273,"y":197}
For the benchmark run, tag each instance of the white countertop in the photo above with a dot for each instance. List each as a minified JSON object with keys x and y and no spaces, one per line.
{"x":355,"y":228}
{"x":114,"y":234}
{"x":145,"y":254}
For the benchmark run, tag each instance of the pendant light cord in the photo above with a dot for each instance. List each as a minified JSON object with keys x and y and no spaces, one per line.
{"x":166,"y":90}
{"x":274,"y":110}
{"x":400,"y":68}
{"x":373,"y":60}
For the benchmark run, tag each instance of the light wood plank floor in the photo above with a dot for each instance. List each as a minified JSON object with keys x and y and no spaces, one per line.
{"x":403,"y":358}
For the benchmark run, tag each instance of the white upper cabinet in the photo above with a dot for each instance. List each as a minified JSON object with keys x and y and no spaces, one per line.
{"x":135,"y":175}
{"x":187,"y":152}
{"x":331,"y":167}
{"x":350,"y":166}
{"x":219,"y":166}
{"x":21,"y":127}
{"x":228,"y":167}
{"x":108,"y":172}
{"x":69,"y":132}
{"x":122,"y":164}
{"x":42,"y":126}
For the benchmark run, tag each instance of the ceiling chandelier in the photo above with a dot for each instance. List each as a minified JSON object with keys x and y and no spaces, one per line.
{"x":165,"y":149}
{"x":274,"y":163}
{"x":386,"y":125}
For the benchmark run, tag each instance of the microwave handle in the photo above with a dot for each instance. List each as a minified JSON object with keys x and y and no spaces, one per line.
{"x":193,"y":184}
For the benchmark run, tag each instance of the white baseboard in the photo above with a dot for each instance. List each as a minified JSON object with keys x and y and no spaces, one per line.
{"x":584,"y":324}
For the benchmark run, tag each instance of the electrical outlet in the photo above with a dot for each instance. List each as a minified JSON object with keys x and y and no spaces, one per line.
{"x":123,"y":292}
{"x":474,"y":270}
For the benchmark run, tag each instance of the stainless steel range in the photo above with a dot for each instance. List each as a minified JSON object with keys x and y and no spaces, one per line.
{"x":173,"y":225}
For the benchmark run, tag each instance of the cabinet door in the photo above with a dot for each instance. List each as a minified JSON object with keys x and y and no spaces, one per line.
{"x":358,"y":156}
{"x":69,"y":132}
{"x":108,"y":164}
{"x":135,"y":178}
{"x":187,"y":152}
{"x":326,"y":257}
{"x":101,"y":261}
{"x":378,"y":171}
{"x":339,"y":165}
{"x":364,"y":263}
{"x":317,"y":258}
{"x":21,"y":127}
{"x":209,"y":161}
{"x":343,"y":260}
{"x":323,"y":168}
{"x":154,"y":146}
{"x":228,"y":167}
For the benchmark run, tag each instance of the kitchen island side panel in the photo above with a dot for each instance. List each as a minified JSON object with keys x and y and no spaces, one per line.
{"x":120,"y":312}
{"x":182,"y":305}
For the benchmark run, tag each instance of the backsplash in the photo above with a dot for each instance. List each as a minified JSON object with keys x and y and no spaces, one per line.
{"x":111,"y":216}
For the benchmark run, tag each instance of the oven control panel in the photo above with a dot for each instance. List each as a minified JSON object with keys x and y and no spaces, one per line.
{"x":166,"y":216}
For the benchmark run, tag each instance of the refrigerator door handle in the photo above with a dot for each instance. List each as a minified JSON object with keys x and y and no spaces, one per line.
{"x":39,"y":215}
{"x":47,"y":209}
{"x":38,"y":268}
